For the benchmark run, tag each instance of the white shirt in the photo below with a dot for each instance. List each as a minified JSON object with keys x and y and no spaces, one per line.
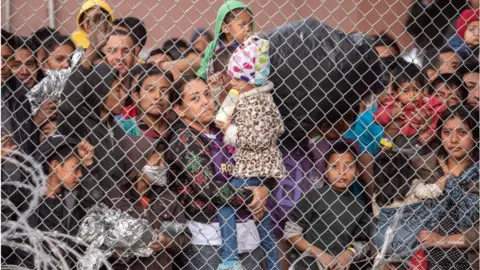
{"x":209,"y":235}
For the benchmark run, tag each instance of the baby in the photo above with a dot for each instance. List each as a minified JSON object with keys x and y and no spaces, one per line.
{"x":254,"y":129}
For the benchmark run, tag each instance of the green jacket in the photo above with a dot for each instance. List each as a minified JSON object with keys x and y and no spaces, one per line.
{"x":228,"y":6}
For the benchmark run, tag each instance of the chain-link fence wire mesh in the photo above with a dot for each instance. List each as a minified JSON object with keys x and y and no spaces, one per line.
{"x":340,"y":146}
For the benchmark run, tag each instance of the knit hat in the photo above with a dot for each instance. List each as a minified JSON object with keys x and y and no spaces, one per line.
{"x":250,"y":61}
{"x":466,"y":17}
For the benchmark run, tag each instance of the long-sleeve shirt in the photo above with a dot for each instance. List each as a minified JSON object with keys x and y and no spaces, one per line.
{"x":432,"y":105}
{"x":330,"y":220}
{"x":193,"y":177}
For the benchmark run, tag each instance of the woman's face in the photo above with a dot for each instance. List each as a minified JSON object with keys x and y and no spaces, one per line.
{"x":153,"y":95}
{"x":197,"y":104}
{"x":457,"y":138}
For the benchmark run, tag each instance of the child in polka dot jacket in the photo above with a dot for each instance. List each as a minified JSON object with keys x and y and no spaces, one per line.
{"x":254,"y":129}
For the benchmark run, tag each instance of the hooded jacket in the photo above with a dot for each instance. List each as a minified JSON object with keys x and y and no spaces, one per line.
{"x":78,"y":117}
{"x":80,"y":37}
{"x":226,"y":8}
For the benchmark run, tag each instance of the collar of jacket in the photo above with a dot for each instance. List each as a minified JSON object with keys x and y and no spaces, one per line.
{"x":259,"y":90}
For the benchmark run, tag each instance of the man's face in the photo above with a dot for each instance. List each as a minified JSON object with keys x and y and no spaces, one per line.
{"x":472,"y":82}
{"x":450,"y":63}
{"x":59,"y":59}
{"x":7,"y":60}
{"x":119,"y":53}
{"x":138,"y":46}
{"x":25,"y":67}
{"x":448,"y":94}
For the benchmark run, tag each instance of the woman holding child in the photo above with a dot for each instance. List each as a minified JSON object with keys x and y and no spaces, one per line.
{"x":200,"y":166}
{"x":457,"y":166}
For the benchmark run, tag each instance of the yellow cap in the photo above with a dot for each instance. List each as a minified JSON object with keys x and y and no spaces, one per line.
{"x":234,"y":92}
{"x":95,"y":3}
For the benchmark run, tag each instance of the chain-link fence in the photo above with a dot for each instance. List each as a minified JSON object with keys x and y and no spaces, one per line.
{"x":240,"y":135}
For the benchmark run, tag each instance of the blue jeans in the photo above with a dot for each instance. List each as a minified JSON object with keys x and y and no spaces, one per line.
{"x":228,"y":230}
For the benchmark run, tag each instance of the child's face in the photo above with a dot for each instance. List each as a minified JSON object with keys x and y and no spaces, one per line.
{"x":241,"y":85}
{"x":240,"y":28}
{"x":152,"y":98}
{"x":341,"y":170}
{"x":69,"y":172}
{"x":472,"y":34}
{"x":48,"y":129}
{"x":409,"y":92}
{"x":448,"y":95}
{"x":115,"y":100}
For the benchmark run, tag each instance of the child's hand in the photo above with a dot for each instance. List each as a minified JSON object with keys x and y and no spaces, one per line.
{"x":222,"y":126}
{"x":7,"y":145}
{"x":396,"y":110}
{"x":344,"y":260}
{"x":85,"y":152}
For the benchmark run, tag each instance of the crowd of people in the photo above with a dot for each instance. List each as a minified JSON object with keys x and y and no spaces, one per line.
{"x":143,"y":135}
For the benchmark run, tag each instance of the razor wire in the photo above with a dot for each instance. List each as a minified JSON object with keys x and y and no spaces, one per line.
{"x":121,"y":139}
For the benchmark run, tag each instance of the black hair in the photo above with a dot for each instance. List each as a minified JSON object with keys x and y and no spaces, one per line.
{"x":468,"y":115}
{"x":61,"y":154}
{"x":341,"y":147}
{"x":176,"y":92}
{"x":56,"y":41}
{"x":152,"y":72}
{"x":470,"y":66}
{"x":24,"y":43}
{"x":44,"y":33}
{"x":136,"y":26}
{"x":384,"y":39}
{"x":221,"y":58}
{"x":452,"y":81}
{"x":141,"y":68}
{"x":173,"y":45}
{"x":159,"y":51}
{"x":334,"y":115}
{"x":232,"y":14}
{"x":161,"y":146}
{"x":409,"y":73}
{"x":7,"y":38}
{"x":393,"y":175}
{"x":432,"y":57}
{"x":125,"y":34}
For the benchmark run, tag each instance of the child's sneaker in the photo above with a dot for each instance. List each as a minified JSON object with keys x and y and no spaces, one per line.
{"x":236,"y":265}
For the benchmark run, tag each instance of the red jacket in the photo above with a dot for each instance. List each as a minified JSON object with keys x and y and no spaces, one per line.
{"x":430,"y":104}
